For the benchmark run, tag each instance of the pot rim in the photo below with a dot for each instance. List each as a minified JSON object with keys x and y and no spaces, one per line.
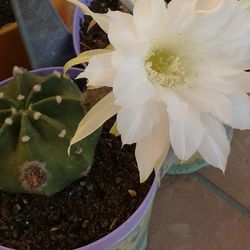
{"x":8,"y":28}
{"x":75,"y":31}
{"x":41,"y":70}
{"x":78,"y":15}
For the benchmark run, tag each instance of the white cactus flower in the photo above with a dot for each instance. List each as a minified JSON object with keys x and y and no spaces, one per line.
{"x":245,"y":4}
{"x":177,"y":74}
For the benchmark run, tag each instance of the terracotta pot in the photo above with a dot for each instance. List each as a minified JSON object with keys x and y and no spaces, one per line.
{"x":65,"y":11}
{"x":12,"y":49}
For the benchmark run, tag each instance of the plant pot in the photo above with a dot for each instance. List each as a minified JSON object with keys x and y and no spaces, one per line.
{"x":78,"y":17}
{"x":132,"y":234}
{"x":65,"y":11}
{"x":196,"y":162}
{"x":11,"y":50}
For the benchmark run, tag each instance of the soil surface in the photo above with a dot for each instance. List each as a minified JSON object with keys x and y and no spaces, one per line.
{"x":84,"y":212}
{"x":96,"y":38}
{"x":6,"y":13}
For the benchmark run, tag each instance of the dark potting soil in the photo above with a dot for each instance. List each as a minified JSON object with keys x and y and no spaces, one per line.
{"x":96,"y":38}
{"x":85,"y":211}
{"x":6,"y":13}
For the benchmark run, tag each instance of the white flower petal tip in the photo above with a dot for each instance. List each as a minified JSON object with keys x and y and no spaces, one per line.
{"x":99,"y":71}
{"x":101,"y":19}
{"x":151,"y":151}
{"x":83,"y":58}
{"x":245,"y":4}
{"x":215,"y":146}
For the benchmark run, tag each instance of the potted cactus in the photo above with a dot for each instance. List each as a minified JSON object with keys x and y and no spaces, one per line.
{"x":173,"y":85}
{"x":40,"y":113}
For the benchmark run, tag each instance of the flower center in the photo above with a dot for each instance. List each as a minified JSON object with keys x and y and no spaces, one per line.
{"x":166,"y":69}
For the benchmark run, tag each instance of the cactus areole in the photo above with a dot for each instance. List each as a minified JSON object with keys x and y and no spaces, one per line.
{"x":38,"y":117}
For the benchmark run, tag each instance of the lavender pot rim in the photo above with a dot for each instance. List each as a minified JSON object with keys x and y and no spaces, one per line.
{"x":73,"y":72}
{"x":124,"y":229}
{"x":76,"y":31}
{"x":78,"y":15}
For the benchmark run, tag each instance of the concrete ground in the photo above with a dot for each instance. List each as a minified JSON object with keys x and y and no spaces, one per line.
{"x":205,"y":210}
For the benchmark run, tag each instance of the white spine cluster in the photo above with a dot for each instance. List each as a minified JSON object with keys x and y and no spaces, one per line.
{"x":25,"y":138}
{"x":37,"y":115}
{"x":62,"y":133}
{"x":20,"y":97}
{"x":8,"y":121}
{"x":58,"y":99}
{"x":37,"y":88}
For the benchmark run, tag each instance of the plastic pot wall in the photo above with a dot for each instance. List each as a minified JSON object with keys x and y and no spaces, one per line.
{"x":132,"y":234}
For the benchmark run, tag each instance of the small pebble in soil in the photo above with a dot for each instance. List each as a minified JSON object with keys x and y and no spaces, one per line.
{"x":83,"y":183}
{"x":132,"y":193}
{"x":25,"y":201}
{"x":85,"y":223}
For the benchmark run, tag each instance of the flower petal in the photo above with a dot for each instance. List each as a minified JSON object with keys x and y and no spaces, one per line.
{"x":186,"y":130}
{"x":179,"y":11}
{"x":241,"y":111}
{"x":101,"y":19}
{"x":82,"y":58}
{"x":151,"y":151}
{"x":97,"y":115}
{"x":229,"y":84}
{"x":224,"y":41}
{"x":149,"y":16}
{"x":245,"y":4}
{"x":205,"y":14}
{"x":99,"y":71}
{"x":132,"y":87}
{"x":136,"y":123}
{"x":209,"y":101}
{"x":214,"y":147}
{"x":122,"y":31}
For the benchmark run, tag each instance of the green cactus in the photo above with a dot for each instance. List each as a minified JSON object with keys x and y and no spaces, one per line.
{"x":38,"y":117}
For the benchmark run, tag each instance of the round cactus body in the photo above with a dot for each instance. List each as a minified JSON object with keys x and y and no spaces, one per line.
{"x":38,"y":117}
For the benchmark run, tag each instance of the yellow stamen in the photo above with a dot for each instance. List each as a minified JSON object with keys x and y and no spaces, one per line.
{"x":166,"y":69}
